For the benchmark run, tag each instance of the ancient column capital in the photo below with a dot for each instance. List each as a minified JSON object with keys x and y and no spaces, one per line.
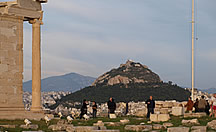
{"x":36,"y":21}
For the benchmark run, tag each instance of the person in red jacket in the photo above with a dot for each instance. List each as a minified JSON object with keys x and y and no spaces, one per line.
{"x":189,"y":105}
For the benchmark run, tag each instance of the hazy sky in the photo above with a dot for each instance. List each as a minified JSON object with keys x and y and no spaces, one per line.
{"x":91,"y":37}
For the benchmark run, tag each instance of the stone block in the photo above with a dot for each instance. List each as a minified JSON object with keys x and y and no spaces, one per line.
{"x":163,"y":117}
{"x":112,"y":123}
{"x":4,"y":68}
{"x":105,"y":131}
{"x":190,"y":122}
{"x":125,"y":121}
{"x":35,"y":127}
{"x":196,"y":115}
{"x":167,"y":125}
{"x":178,"y":129}
{"x":164,"y":111}
{"x":8,"y":126}
{"x":167,"y":105}
{"x":70,"y":129}
{"x":112,"y":116}
{"x":154,"y":117}
{"x":85,"y":128}
{"x":141,"y":113}
{"x":158,"y":127}
{"x":212,"y":124}
{"x":177,"y":111}
{"x":198,"y":128}
{"x":159,"y":117}
{"x":99,"y":123}
{"x":138,"y":127}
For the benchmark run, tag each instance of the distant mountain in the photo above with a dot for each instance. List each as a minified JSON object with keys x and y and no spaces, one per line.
{"x":210,"y":90}
{"x":68,"y":82}
{"x":130,"y":82}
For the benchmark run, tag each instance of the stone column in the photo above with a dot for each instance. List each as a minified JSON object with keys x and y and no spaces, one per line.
{"x":36,"y":65}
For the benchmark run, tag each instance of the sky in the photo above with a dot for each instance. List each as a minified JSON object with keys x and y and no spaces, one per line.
{"x":90,"y":37}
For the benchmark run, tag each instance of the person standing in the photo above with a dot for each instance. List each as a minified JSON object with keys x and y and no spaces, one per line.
{"x":94,"y":108}
{"x":126,"y":110}
{"x":213,"y":105}
{"x":150,"y":106}
{"x":196,"y":106}
{"x":202,"y":104}
{"x":83,"y":108}
{"x":207,"y":108}
{"x":111,"y":106}
{"x":189,"y":105}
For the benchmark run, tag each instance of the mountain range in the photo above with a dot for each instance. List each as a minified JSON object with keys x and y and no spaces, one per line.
{"x":210,"y":90}
{"x":69,"y":82}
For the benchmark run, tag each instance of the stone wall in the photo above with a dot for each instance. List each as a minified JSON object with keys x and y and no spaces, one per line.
{"x":11,"y":62}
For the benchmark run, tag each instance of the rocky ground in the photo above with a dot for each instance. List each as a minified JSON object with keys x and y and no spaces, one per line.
{"x":122,"y":124}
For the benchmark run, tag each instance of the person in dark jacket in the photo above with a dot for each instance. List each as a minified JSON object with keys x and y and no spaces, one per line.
{"x":207,"y":108}
{"x":111,"y":106}
{"x":126,"y":110}
{"x":94,"y":108}
{"x":150,"y":106}
{"x":83,"y":108}
{"x":196,"y":106}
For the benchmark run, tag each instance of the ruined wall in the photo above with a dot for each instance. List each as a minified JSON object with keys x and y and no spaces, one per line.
{"x":11,"y":62}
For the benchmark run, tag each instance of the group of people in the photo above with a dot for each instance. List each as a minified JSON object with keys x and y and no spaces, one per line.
{"x":111,"y":108}
{"x":203,"y":105}
{"x":84,"y":109}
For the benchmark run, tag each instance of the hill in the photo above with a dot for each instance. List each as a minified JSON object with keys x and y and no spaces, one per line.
{"x":130,"y":82}
{"x":131,"y":72}
{"x":68,"y":82}
{"x":131,"y":92}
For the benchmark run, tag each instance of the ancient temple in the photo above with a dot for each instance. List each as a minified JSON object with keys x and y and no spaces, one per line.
{"x":12,"y":15}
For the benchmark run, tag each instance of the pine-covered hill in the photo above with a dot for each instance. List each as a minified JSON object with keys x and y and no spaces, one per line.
{"x":125,"y":93}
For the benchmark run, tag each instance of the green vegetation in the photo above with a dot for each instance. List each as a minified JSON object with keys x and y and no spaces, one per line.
{"x":125,"y":93}
{"x":176,"y":121}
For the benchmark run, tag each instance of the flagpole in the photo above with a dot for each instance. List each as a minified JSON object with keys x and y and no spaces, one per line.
{"x":192,"y":79}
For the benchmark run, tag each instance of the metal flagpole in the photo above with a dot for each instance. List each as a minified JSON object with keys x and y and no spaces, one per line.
{"x":192,"y":79}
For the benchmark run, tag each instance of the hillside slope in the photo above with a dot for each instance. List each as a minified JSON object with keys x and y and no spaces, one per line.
{"x":131,"y":92}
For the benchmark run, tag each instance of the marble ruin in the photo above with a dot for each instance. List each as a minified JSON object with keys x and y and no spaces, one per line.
{"x":12,"y":15}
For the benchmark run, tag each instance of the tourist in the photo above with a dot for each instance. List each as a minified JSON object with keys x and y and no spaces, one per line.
{"x":126,"y":110}
{"x":111,"y":106}
{"x":150,"y":106}
{"x":202,"y":104}
{"x":83,"y":108}
{"x":196,"y":106}
{"x":213,"y":105}
{"x":207,"y":108}
{"x":189,"y":105}
{"x":94,"y":108}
